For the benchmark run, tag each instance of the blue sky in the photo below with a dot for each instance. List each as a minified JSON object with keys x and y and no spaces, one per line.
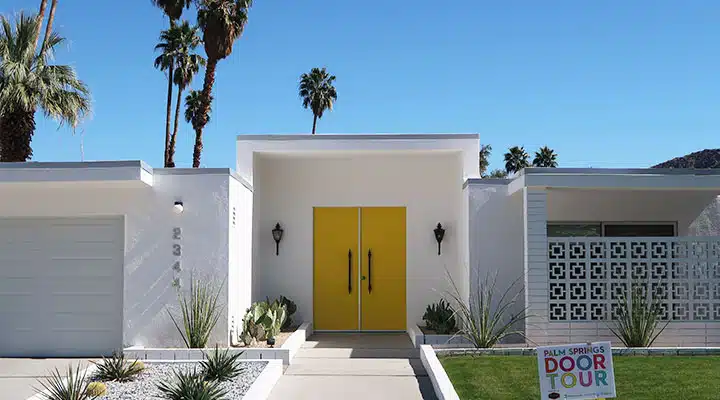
{"x":606,"y":84}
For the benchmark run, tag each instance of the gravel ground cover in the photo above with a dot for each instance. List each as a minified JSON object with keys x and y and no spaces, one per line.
{"x":145,"y":384}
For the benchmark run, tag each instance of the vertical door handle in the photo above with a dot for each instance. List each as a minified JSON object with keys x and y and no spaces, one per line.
{"x":369,"y":271}
{"x":350,"y":271}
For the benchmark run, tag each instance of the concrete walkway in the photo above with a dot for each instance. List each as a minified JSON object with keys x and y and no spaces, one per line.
{"x":355,"y":366}
{"x":19,"y":376}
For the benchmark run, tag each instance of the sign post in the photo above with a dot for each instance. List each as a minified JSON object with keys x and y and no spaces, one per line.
{"x":576,"y":371}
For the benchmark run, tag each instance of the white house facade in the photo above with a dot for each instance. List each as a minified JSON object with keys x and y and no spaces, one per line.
{"x":93,"y":255}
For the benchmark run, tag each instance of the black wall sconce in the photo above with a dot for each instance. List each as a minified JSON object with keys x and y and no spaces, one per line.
{"x":277,"y":236}
{"x":439,"y":235}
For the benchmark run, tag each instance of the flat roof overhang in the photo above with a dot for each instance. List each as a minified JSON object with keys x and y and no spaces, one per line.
{"x":466,"y":145}
{"x":130,"y":174}
{"x":613,"y":178}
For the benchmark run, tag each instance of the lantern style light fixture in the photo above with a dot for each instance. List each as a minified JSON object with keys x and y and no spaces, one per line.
{"x":277,"y":236}
{"x":439,"y":235}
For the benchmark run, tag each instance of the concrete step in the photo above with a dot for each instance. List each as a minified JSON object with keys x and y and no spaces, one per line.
{"x":356,"y":367}
{"x":303,"y":387}
{"x":358,"y":353}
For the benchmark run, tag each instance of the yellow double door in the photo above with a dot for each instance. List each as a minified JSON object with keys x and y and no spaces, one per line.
{"x":359,"y":269}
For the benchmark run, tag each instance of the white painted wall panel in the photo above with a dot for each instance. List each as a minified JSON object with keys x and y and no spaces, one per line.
{"x":496,"y":238}
{"x":288,"y":187}
{"x":61,"y":286}
{"x":148,"y":257}
{"x":240,"y":270}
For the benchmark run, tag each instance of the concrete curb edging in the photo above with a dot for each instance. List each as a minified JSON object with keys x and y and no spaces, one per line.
{"x":617,"y":351}
{"x":419,"y":338}
{"x":39,"y":396}
{"x":296,"y":340}
{"x":265,"y":382}
{"x":444,"y":389}
{"x":416,"y":336}
{"x":285,"y":352}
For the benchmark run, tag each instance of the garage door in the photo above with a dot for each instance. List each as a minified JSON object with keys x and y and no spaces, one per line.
{"x":61,"y":285}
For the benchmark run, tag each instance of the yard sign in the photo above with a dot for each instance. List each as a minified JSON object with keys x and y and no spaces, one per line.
{"x":576,"y":371}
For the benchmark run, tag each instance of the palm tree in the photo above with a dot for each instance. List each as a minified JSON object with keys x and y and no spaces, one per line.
{"x":194,"y":109}
{"x":29,"y":81}
{"x":516,"y":159}
{"x":497,"y":174}
{"x":173,"y":9}
{"x":222,"y":22}
{"x":317,"y":92}
{"x":168,"y":46}
{"x":545,"y":157}
{"x":40,"y":17}
{"x":484,"y":159}
{"x":51,"y":19}
{"x":187,"y":64}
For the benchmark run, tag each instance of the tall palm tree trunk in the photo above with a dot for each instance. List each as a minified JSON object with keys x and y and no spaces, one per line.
{"x":205,"y":111}
{"x":51,"y":19}
{"x":40,"y":17}
{"x":168,"y":114}
{"x":173,"y":138}
{"x":197,"y":149}
{"x":18,"y":127}
{"x":314,"y":122}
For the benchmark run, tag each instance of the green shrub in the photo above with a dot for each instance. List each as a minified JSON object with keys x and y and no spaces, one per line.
{"x":263,"y":320}
{"x":291,"y":308}
{"x":483,"y":319}
{"x":191,"y":386}
{"x":73,"y":386}
{"x":440,"y":317}
{"x":637,"y":322}
{"x":117,"y":368}
{"x":221,"y":366}
{"x":275,"y":317}
{"x":200,"y":313}
{"x":253,"y":328}
{"x":96,"y":389}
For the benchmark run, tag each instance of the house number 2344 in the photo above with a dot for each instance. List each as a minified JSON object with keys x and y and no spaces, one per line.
{"x":176,"y":252}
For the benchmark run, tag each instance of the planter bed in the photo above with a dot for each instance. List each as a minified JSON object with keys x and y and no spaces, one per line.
{"x":144,"y":386}
{"x":285,"y":351}
{"x":422,"y":335}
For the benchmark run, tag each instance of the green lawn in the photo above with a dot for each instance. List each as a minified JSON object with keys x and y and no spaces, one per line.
{"x":636,"y":378}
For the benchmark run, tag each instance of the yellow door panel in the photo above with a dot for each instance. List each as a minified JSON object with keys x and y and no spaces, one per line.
{"x":383,"y":242}
{"x":335,"y":269}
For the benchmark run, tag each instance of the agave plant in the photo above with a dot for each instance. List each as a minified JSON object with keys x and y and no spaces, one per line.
{"x":117,"y":368}
{"x":484,"y":319}
{"x":200,"y":311}
{"x":638,"y":319}
{"x":73,"y":386}
{"x":191,"y":386}
{"x":221,"y":365}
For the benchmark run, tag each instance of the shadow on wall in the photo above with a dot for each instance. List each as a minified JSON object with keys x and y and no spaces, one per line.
{"x":148,"y":282}
{"x":708,"y":222}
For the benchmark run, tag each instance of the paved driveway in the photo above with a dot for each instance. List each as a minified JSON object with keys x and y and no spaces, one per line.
{"x":18,"y":376}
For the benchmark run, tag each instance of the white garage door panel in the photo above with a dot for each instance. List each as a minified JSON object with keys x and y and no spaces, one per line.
{"x":61,"y":283}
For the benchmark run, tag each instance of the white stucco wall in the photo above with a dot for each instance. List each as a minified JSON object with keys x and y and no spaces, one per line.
{"x":287,"y":187}
{"x":149,"y":223}
{"x":240,"y":265}
{"x":496,"y":238}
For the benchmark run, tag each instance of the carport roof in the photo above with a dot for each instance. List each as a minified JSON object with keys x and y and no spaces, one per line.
{"x":615,"y":178}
